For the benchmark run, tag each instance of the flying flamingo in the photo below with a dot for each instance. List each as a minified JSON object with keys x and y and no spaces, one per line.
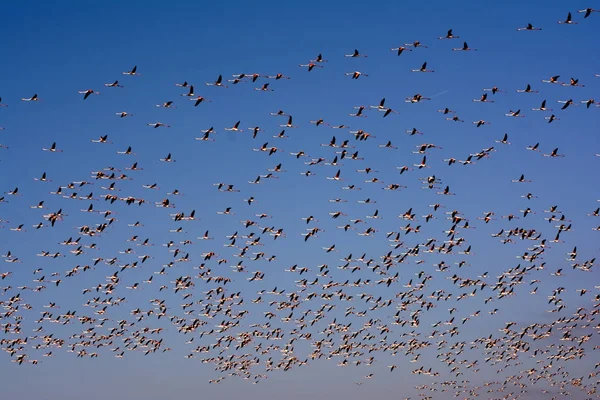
{"x":423,"y":68}
{"x":355,"y":54}
{"x":32,"y":98}
{"x":449,"y":35}
{"x":529,"y":27}
{"x":132,"y":72}
{"x":87,"y":93}
{"x":464,"y":48}
{"x":568,"y":21}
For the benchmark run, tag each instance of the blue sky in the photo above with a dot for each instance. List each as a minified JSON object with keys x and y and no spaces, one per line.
{"x":58,"y":50}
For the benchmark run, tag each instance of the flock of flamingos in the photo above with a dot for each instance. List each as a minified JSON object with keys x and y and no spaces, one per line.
{"x":357,"y":307}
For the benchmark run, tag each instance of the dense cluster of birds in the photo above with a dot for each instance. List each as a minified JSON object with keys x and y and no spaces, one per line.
{"x":367,"y":307}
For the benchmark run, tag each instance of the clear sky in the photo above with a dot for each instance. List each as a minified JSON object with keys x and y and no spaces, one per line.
{"x":57,"y":49}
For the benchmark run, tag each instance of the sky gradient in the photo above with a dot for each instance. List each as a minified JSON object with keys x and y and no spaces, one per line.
{"x":58,"y":50}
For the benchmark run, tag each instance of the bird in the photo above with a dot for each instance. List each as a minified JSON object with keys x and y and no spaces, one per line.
{"x":554,"y":153}
{"x":542,"y":107}
{"x":483,"y":99}
{"x":355,"y":54}
{"x":132,"y":72}
{"x":529,"y":27}
{"x":567,"y":21}
{"x":53,"y":149}
{"x":465,"y":47}
{"x":113,"y":84}
{"x":310,"y":66}
{"x":235,"y":127}
{"x":264,"y":88}
{"x":449,"y":35}
{"x":553,"y":79}
{"x":422,"y":69}
{"x":514,"y":114}
{"x":587,"y":11}
{"x":521,"y":179}
{"x":355,"y":74}
{"x":527,"y":90}
{"x":166,"y":104}
{"x":400,"y":49}
{"x":158,"y":125}
{"x":412,"y":290}
{"x":190,"y":92}
{"x":32,"y":98}
{"x":218,"y":82}
{"x":199,"y":100}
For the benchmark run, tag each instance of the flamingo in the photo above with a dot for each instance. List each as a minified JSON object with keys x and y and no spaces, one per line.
{"x":319,"y":58}
{"x":512,"y":113}
{"x":53,"y":149}
{"x":464,"y":48}
{"x":114,"y":84}
{"x":415,"y":44}
{"x":167,"y":158}
{"x":388,"y":111}
{"x":589,"y":102}
{"x":132,"y":72}
{"x":422,"y":164}
{"x":102,"y":139}
{"x":527,"y":90}
{"x":336,"y":177}
{"x":318,"y":122}
{"x":494,"y":90}
{"x":521,"y":179}
{"x":481,"y":122}
{"x":388,"y":145}
{"x":218,"y":82}
{"x":355,"y":74}
{"x":264,"y":88}
{"x":483,"y":99}
{"x":542,"y":107}
{"x":422,"y":69}
{"x":568,"y":20}
{"x":355,"y":54}
{"x":158,"y":124}
{"x":588,"y":12}
{"x":554,"y":153}
{"x":566,"y":103}
{"x":449,"y":35}
{"x":553,"y":79}
{"x":381,"y":105}
{"x":277,"y":77}
{"x":359,"y":113}
{"x":529,"y":27}
{"x":206,"y":138}
{"x":235,"y":128}
{"x":166,"y":104}
{"x":199,"y":100}
{"x":310,"y":66}
{"x":504,"y":139}
{"x":400,"y":49}
{"x":42,"y":178}
{"x":190,"y":92}
{"x":32,"y":98}
{"x":573,"y":82}
{"x":534,"y":147}
{"x":416,"y":98}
